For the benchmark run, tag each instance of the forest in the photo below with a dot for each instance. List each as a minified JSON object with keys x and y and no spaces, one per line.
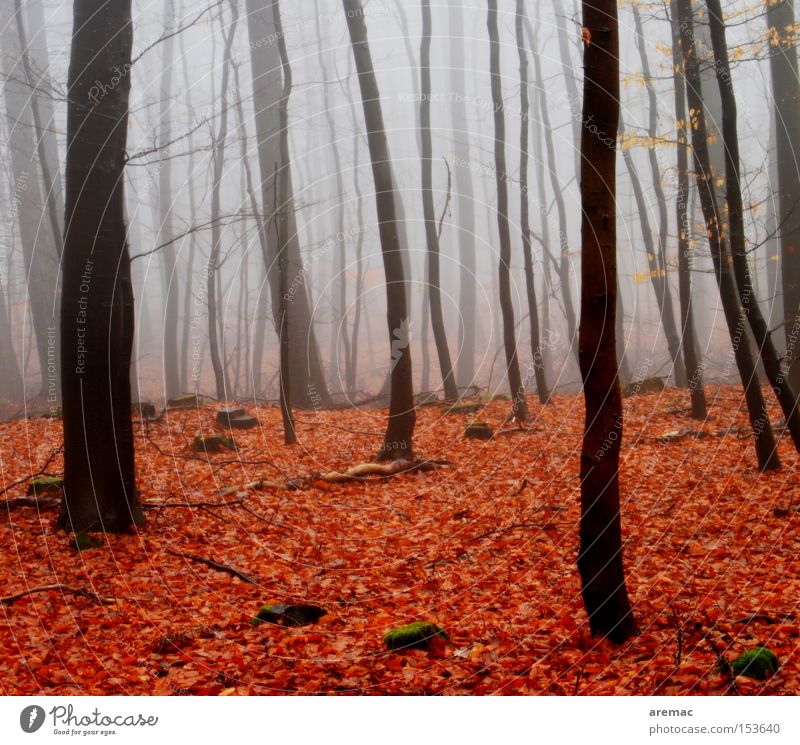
{"x":398,"y":347}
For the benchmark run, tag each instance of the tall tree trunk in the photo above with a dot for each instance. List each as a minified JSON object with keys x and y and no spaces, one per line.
{"x":464,"y":200}
{"x":218,"y":150}
{"x":600,"y":560}
{"x":558,"y":194}
{"x":662,"y":288}
{"x":694,"y":371}
{"x":747,"y":292}
{"x":169,"y":333}
{"x":283,"y":190}
{"x":11,"y":388}
{"x":780,"y":19}
{"x":310,"y":389}
{"x":97,"y":299}
{"x":525,"y":228}
{"x":431,"y":236}
{"x":519,"y":402}
{"x":766,"y":451}
{"x":397,"y":441}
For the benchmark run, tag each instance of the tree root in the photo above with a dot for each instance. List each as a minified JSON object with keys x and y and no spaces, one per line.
{"x":69,"y":589}
{"x":233,"y":571}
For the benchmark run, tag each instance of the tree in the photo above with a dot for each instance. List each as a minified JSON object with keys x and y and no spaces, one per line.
{"x":600,"y":559}
{"x":525,"y":228}
{"x":780,"y":20}
{"x":310,"y":389}
{"x":734,"y":316}
{"x":97,"y":299}
{"x":694,"y":371}
{"x":431,"y":235}
{"x":397,"y":441}
{"x":519,"y":407}
{"x":733,"y":195}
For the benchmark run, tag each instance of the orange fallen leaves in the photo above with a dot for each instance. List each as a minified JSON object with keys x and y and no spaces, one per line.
{"x":485,"y":549}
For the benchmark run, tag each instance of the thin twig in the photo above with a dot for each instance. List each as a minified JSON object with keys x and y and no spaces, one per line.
{"x":69,"y":589}
{"x":215,"y":565}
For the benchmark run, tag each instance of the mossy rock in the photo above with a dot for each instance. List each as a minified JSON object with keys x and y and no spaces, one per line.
{"x":213,"y":443}
{"x":758,"y":663}
{"x":225,"y":415}
{"x":84,"y":541}
{"x":192,"y":401}
{"x":478,"y":431}
{"x":288,"y":615}
{"x":466,"y":408}
{"x":45,"y":485}
{"x":418,"y":634}
{"x":645,"y":385}
{"x":243,"y":422}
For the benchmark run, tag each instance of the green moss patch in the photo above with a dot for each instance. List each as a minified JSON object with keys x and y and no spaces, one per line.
{"x":288,"y":615}
{"x":418,"y":634}
{"x":45,"y":485}
{"x":466,"y":408}
{"x":478,"y":431}
{"x":214,"y":443}
{"x":758,"y":663}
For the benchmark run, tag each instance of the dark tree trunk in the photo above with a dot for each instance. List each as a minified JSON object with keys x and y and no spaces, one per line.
{"x":694,"y":371}
{"x":397,"y":441}
{"x":431,"y":236}
{"x":786,"y":92}
{"x":519,"y":402}
{"x":747,"y":292}
{"x":600,"y":560}
{"x":661,"y":286}
{"x":283,"y":190}
{"x":97,"y":299}
{"x":525,"y":228}
{"x":734,"y":315}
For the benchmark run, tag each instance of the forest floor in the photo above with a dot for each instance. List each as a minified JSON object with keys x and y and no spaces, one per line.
{"x":485,"y":548}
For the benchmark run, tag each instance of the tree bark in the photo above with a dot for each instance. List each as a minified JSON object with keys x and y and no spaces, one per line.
{"x":766,"y":451}
{"x":780,"y":19}
{"x":600,"y":559}
{"x":525,"y":228}
{"x":744,"y":282}
{"x":519,"y":405}
{"x":397,"y":441}
{"x":97,"y":299}
{"x":691,"y":357}
{"x":431,"y":235}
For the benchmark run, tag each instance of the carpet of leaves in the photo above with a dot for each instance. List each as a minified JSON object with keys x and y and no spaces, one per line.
{"x":485,"y":548}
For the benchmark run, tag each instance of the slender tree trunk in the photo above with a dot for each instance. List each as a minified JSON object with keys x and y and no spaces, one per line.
{"x":310,"y":389}
{"x":600,"y":560}
{"x":464,"y":200}
{"x":661,"y":286}
{"x":694,"y":370}
{"x":561,"y":208}
{"x":781,"y":20}
{"x":431,"y":236}
{"x":11,"y":388}
{"x":397,"y":441}
{"x":525,"y":228}
{"x":519,"y":402}
{"x":766,"y":451}
{"x":283,"y":190}
{"x":733,"y":193}
{"x":97,"y":299}
{"x":169,"y":334}
{"x":218,"y":149}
